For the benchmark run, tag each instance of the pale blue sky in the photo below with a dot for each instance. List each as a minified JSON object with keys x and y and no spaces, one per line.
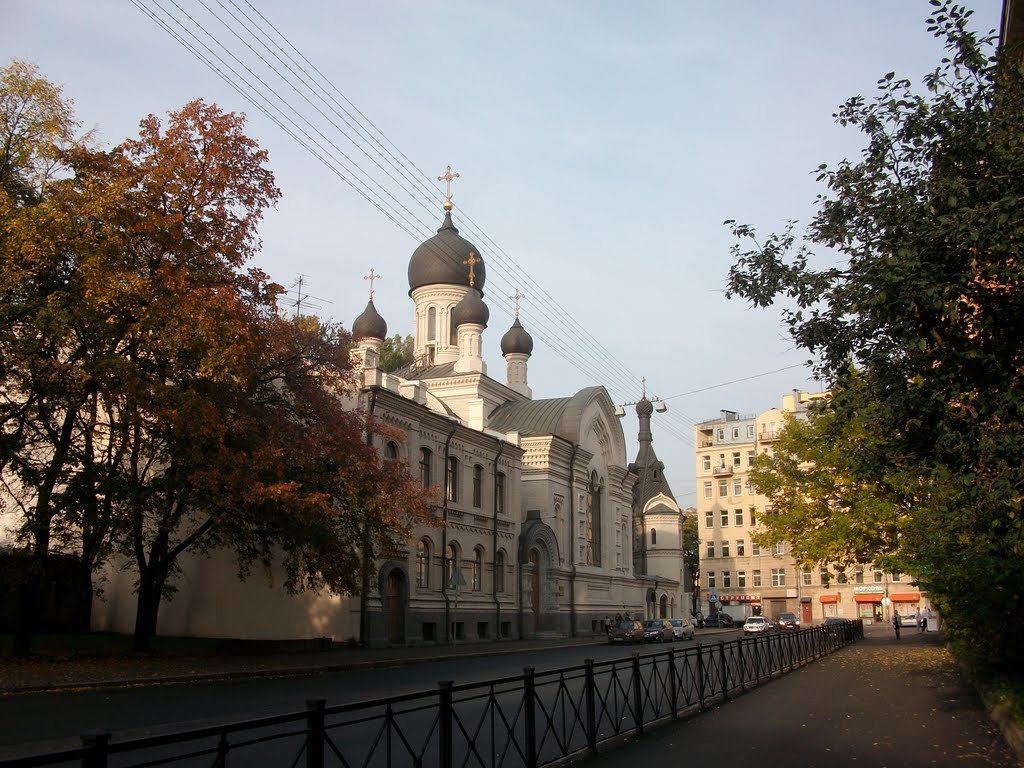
{"x":600,"y":145}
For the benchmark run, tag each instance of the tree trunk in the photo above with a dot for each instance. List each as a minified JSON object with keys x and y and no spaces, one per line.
{"x":83,"y":597}
{"x":151,"y":586}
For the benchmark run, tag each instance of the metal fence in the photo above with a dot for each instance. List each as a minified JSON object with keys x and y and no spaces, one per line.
{"x":524,"y":721}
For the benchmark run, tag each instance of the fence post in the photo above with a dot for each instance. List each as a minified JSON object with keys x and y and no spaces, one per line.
{"x":723,"y":672}
{"x":95,"y":743}
{"x":444,"y":724}
{"x":673,"y":682}
{"x":700,"y":675}
{"x":530,"y":713}
{"x":590,"y":685}
{"x":743,"y":671}
{"x":638,"y":699}
{"x":315,"y":732}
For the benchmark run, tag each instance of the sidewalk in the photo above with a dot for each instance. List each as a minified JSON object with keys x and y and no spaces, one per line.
{"x":880,"y":702}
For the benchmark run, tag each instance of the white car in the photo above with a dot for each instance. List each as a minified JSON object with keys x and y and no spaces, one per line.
{"x":755,"y":624}
{"x":682,"y":629}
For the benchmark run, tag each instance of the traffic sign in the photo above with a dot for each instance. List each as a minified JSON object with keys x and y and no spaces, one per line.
{"x":713,"y":598}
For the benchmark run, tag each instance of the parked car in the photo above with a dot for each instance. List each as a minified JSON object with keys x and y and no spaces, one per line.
{"x":787,"y":621}
{"x":755,"y":625}
{"x":658,"y":631}
{"x":836,"y":624}
{"x":682,"y":629}
{"x":626,"y":631}
{"x":719,"y":620}
{"x":910,"y":620}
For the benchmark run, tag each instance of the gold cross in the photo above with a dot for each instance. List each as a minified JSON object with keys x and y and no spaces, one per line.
{"x":643,"y":384}
{"x":371,"y":277}
{"x":516,"y":297}
{"x":472,"y":261}
{"x":447,"y":179}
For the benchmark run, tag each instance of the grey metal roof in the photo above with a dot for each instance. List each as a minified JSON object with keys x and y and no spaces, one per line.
{"x":412,"y":373}
{"x":557,"y":416}
{"x":651,"y":486}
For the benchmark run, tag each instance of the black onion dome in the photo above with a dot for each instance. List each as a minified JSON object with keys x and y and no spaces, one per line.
{"x":369,"y":325}
{"x":517,"y":339}
{"x":441,"y":260}
{"x":644,"y":407}
{"x":470,"y":310}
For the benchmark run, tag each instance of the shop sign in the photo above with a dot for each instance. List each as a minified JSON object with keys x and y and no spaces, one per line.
{"x":869,"y":589}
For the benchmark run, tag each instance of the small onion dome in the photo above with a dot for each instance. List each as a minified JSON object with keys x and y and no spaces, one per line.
{"x":442,"y":260}
{"x":516,"y":339}
{"x":470,"y":310}
{"x":369,"y":325}
{"x":644,"y":407}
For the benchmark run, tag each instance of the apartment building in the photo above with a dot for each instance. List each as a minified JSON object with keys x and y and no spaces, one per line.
{"x":744,"y":579}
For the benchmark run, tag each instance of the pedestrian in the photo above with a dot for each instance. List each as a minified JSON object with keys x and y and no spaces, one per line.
{"x":618,"y":619}
{"x":924,"y":619}
{"x":917,"y":619}
{"x":896,"y":623}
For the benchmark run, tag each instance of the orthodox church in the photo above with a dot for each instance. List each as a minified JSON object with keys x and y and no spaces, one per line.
{"x":548,"y":529}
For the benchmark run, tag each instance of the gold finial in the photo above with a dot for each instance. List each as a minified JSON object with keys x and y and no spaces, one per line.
{"x":472,"y":261}
{"x":371,"y":277}
{"x":447,"y":179}
{"x":516,"y":297}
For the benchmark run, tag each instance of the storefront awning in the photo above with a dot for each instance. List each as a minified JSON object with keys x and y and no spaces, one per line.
{"x":905,"y":597}
{"x":829,"y":598}
{"x":868,"y":598}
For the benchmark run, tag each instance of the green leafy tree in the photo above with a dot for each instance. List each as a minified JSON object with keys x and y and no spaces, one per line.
{"x":396,"y":353}
{"x":923,"y":308}
{"x":691,"y":551}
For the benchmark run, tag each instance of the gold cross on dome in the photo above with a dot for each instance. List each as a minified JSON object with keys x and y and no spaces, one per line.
{"x":447,"y":179}
{"x":643,"y":384}
{"x":472,"y":261}
{"x":371,"y":277}
{"x":516,"y":297}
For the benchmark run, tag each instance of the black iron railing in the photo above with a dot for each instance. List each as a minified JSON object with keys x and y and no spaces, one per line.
{"x":524,"y":721}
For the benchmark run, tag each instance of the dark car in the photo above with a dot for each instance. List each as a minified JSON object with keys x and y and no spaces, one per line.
{"x":626,"y":631}
{"x":836,"y":625}
{"x":658,"y":631}
{"x":787,"y":621}
{"x":719,"y":620}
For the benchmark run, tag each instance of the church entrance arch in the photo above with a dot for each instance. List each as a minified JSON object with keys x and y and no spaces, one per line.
{"x":395,"y":597}
{"x":538,"y":558}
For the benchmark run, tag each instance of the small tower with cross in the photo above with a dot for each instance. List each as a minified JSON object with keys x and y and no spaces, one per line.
{"x":368,"y":331}
{"x":516,"y":348}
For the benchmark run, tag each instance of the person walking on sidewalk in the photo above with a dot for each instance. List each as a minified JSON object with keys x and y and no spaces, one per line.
{"x":896,"y":623}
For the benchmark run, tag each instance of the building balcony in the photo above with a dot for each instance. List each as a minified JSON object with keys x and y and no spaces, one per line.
{"x":768,"y":435}
{"x":721,"y":470}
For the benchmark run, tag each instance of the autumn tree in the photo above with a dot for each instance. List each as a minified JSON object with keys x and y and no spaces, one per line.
{"x":923,"y":308}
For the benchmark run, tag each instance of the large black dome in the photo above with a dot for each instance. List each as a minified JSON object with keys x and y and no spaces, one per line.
{"x":517,"y":339}
{"x":441,"y":260}
{"x":369,"y":325}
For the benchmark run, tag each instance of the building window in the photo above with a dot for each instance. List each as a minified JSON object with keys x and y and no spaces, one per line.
{"x":595,"y":490}
{"x":726,"y":579}
{"x":779,"y":549}
{"x":755,"y":576}
{"x":878,"y":576}
{"x":478,"y":568}
{"x":741,"y":579}
{"x":741,"y":548}
{"x":755,"y":549}
{"x":654,"y":537}
{"x":894,"y":577}
{"x":725,"y":549}
{"x":735,"y":433}
{"x":451,"y":479}
{"x":807,"y":576}
{"x":391,"y":451}
{"x":778,"y":577}
{"x":750,"y":458}
{"x":750,"y":431}
{"x":723,"y":487}
{"x":451,"y":564}
{"x":499,"y":572}
{"x":478,"y":486}
{"x":499,"y":493}
{"x":707,"y":490}
{"x":841,"y":577}
{"x":858,"y":576}
{"x":709,"y":518}
{"x":823,"y":577}
{"x":738,"y":517}
{"x":706,"y":463}
{"x":711,"y":579}
{"x":736,"y":461}
{"x":737,"y":486}
{"x":425,"y":474}
{"x":710,"y":551}
{"x":724,"y":517}
{"x":431,"y":324}
{"x":423,"y":564}
{"x":721,"y":433}
{"x":753,"y":517}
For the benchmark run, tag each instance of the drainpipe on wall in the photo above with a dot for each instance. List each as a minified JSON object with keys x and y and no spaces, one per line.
{"x":444,"y":537}
{"x":364,"y":616}
{"x":494,"y":545}
{"x":572,"y":540}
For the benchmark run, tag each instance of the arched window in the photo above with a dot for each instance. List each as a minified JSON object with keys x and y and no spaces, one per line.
{"x":453,"y":330}
{"x":478,"y":485}
{"x":423,"y":564}
{"x":451,"y":479}
{"x":425,"y":459}
{"x":431,"y":324}
{"x":391,"y":451}
{"x":654,"y":537}
{"x":593,"y":522}
{"x":478,"y":569}
{"x":499,"y":493}
{"x":499,"y":572}
{"x":451,"y":563}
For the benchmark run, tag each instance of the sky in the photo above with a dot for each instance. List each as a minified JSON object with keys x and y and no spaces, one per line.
{"x":600,"y":145}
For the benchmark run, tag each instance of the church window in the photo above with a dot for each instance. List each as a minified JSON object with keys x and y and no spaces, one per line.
{"x":391,"y":451}
{"x":451,"y":563}
{"x":499,"y":572}
{"x":425,"y":460}
{"x":478,"y":568}
{"x":499,"y":493}
{"x":654,"y":537}
{"x":431,"y":324}
{"x":453,"y":331}
{"x":593,"y":520}
{"x":478,"y":485}
{"x":423,"y":564}
{"x":451,"y":480}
